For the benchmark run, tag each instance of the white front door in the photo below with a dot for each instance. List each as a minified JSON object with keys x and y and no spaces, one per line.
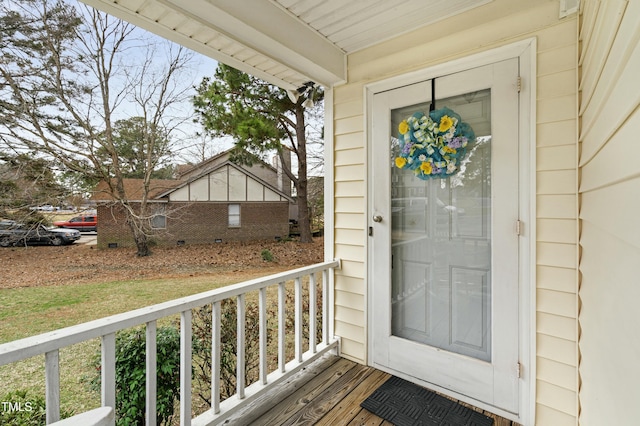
{"x":445,"y":250}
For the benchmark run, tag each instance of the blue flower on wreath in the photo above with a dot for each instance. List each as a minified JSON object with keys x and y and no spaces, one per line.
{"x":433,"y":145}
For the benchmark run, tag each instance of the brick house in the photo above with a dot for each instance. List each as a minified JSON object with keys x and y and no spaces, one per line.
{"x":214,"y":201}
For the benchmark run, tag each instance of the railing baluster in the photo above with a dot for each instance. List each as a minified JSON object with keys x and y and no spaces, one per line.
{"x":262,"y":306}
{"x":312,"y":313}
{"x":331,"y":305}
{"x":215,"y":355}
{"x":52,"y":385}
{"x":49,"y":344}
{"x":185,"y":368}
{"x":240,"y":356}
{"x":152,"y":376}
{"x":325,"y":307}
{"x":282,"y":360}
{"x":109,"y":370}
{"x":298,"y":319}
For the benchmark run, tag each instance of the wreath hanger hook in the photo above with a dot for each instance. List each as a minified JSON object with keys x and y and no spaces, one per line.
{"x":432,"y":107}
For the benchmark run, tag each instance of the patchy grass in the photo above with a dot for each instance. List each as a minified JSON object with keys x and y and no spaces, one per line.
{"x":30,"y":311}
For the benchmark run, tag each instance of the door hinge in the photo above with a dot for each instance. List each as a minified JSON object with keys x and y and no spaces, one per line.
{"x":518,"y":370}
{"x":519,"y":84}
{"x":519,"y":227}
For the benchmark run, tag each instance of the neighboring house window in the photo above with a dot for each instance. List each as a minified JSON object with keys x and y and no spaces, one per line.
{"x":159,"y":218}
{"x":234,"y":215}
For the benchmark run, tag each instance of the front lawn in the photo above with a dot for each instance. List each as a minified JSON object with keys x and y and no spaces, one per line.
{"x":29,"y":311}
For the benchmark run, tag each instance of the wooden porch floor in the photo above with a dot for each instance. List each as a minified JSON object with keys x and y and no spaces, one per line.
{"x":328,"y":393}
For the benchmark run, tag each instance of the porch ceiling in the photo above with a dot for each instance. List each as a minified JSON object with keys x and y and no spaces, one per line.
{"x":285,"y":42}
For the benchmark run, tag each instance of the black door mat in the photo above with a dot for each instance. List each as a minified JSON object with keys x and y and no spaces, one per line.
{"x":406,"y":404}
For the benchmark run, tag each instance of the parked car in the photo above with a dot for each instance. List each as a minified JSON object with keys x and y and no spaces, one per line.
{"x":81,"y":223}
{"x":14,"y":233}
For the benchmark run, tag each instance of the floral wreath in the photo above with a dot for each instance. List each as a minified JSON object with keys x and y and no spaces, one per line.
{"x":433,"y":145}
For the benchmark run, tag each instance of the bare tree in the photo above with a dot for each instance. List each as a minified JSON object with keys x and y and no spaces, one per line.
{"x":106,"y":72}
{"x":200,"y":148}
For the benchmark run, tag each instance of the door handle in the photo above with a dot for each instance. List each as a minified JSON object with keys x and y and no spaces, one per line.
{"x":377,"y":218}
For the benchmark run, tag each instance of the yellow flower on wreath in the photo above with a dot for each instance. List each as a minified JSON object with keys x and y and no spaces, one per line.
{"x":449,"y":150}
{"x":400,"y":162}
{"x":426,"y":167}
{"x":403,"y":127}
{"x":445,"y":123}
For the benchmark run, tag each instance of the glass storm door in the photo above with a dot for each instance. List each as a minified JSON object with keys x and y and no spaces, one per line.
{"x":444,"y":250}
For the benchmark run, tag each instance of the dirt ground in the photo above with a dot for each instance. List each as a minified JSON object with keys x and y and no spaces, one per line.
{"x":80,"y":263}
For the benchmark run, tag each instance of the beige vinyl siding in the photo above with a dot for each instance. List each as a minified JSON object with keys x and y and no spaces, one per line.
{"x":556,"y":211}
{"x":609,"y":211}
{"x":349,"y":208}
{"x":503,"y":22}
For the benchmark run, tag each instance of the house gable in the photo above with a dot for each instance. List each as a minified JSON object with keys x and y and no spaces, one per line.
{"x":272,"y":175}
{"x":227,"y":183}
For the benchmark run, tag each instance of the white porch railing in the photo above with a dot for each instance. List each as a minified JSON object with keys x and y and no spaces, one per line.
{"x":50,"y":344}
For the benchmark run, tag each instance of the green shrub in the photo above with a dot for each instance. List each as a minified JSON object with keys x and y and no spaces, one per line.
{"x":19,"y":408}
{"x":267,"y":256}
{"x":131,"y":375}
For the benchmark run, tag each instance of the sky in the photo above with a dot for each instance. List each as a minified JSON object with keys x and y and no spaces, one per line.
{"x":200,"y":67}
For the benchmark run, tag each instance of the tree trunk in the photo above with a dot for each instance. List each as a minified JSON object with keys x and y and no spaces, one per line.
{"x":140,"y":236}
{"x":142,"y":244}
{"x":304,"y":220}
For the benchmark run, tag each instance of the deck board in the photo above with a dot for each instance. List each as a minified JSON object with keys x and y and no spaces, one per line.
{"x":348,"y":408}
{"x":316,"y":408}
{"x":329,"y":396}
{"x":296,"y":401}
